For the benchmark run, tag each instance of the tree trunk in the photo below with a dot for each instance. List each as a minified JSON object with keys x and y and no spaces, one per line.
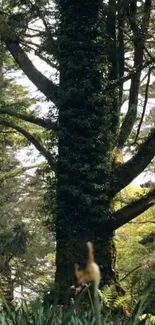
{"x":88,"y":120}
{"x":7,"y":283}
{"x":73,"y":251}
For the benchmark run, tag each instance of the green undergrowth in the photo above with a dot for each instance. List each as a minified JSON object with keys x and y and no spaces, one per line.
{"x":78,"y":313}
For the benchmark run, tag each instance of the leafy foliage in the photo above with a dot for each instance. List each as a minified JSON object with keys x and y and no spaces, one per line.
{"x":25,"y":244}
{"x":135,"y":245}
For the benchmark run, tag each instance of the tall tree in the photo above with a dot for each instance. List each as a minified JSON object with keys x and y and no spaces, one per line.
{"x":91,"y":46}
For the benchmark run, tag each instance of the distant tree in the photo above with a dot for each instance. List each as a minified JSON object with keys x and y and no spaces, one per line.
{"x":24,"y":250}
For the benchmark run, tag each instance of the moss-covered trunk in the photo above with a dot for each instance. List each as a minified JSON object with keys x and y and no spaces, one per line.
{"x":88,"y":121}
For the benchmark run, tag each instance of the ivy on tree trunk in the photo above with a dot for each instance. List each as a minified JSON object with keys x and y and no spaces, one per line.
{"x":87,"y":115}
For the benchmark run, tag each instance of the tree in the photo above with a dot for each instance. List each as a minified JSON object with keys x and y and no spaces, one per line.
{"x":25,"y":243}
{"x":24,"y":251}
{"x":135,"y":247}
{"x":13,"y":236}
{"x":90,"y":45}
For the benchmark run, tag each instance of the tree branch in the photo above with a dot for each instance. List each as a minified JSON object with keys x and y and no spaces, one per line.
{"x":121,"y":47}
{"x":16,"y":171}
{"x":112,"y":41}
{"x":130,"y":272}
{"x":31,"y":46}
{"x":115,"y":83}
{"x":139,"y":38}
{"x":45,"y":123}
{"x":131,"y":211}
{"x":51,"y":64}
{"x":46,"y":86}
{"x":126,"y":173}
{"x":144,"y":106}
{"x":33,"y":140}
{"x":141,"y":222}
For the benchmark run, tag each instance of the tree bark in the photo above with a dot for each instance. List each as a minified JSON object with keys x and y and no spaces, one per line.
{"x":46,"y":86}
{"x":73,"y":251}
{"x":132,"y":210}
{"x":124,"y":174}
{"x":86,"y":117}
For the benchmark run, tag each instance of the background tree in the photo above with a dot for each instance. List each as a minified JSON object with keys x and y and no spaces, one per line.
{"x":91,"y":46}
{"x":25,"y":244}
{"x":135,"y":247}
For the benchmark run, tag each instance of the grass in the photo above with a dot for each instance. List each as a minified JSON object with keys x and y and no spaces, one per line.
{"x":34,"y":314}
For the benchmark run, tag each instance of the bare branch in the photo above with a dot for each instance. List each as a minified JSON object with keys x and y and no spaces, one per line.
{"x":139,"y":38}
{"x":45,"y":123}
{"x":46,"y":86}
{"x":135,"y":269}
{"x":48,"y":34}
{"x":144,"y":106}
{"x":126,"y":173}
{"x":111,"y":46}
{"x":121,"y":48}
{"x":130,"y":272}
{"x":31,"y":46}
{"x":141,"y":222}
{"x":115,"y":83}
{"x":51,"y":64}
{"x":131,"y":211}
{"x":33,"y":140}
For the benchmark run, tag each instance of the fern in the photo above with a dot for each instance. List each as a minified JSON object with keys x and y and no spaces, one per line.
{"x":111,"y":299}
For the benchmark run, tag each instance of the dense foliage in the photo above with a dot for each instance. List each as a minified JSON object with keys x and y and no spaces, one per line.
{"x":25,"y":245}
